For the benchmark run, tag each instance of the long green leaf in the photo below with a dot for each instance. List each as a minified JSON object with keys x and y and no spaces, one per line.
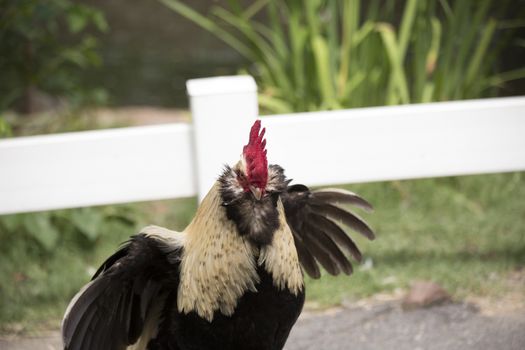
{"x":463,"y":53}
{"x":431,"y":61}
{"x":398,"y":89}
{"x":353,"y":84}
{"x":312,"y":16}
{"x":428,"y":91}
{"x":350,"y":22}
{"x":406,"y":27}
{"x":454,"y":23}
{"x":475,"y":64}
{"x":433,"y":52}
{"x":210,"y":26}
{"x":264,"y":50}
{"x":361,"y":34}
{"x":255,"y":8}
{"x":502,"y":78}
{"x":332,"y":36}
{"x":321,"y":53}
{"x":274,"y":105}
{"x":298,"y":36}
{"x":278,"y":36}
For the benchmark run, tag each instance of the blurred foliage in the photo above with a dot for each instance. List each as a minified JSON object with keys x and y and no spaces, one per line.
{"x":45,"y":228}
{"x":330,"y":54}
{"x":5,"y":128}
{"x":43,"y":46}
{"x":46,"y":257}
{"x":70,"y":119}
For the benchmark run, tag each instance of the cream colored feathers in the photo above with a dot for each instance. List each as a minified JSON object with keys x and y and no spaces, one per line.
{"x":218,"y":265}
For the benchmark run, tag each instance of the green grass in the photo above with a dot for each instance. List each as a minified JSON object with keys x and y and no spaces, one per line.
{"x":466,"y":233}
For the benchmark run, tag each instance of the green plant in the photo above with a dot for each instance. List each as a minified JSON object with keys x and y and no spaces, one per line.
{"x":448,"y":51}
{"x":86,"y":224}
{"x":46,"y":257}
{"x":43,"y":45}
{"x":325,"y":54}
{"x":5,"y":128}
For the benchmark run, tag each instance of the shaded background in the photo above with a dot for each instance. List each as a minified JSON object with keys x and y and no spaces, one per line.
{"x":150,"y":52}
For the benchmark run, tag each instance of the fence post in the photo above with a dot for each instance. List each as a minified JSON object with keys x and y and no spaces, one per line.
{"x":223,"y":109}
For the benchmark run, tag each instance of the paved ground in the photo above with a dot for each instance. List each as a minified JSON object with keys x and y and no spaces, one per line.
{"x":386,"y":326}
{"x":381,"y":326}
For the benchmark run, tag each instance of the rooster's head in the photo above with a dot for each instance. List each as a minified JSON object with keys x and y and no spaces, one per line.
{"x":250,"y":190}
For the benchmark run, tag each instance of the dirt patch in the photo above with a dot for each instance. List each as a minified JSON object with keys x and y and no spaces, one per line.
{"x":512,"y":301}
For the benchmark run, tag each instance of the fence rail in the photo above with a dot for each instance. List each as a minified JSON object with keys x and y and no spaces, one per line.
{"x":318,"y":148}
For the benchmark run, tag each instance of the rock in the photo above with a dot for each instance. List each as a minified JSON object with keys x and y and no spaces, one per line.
{"x":424,"y":294}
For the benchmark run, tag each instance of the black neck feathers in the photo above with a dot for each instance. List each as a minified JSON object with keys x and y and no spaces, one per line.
{"x":257,"y":219}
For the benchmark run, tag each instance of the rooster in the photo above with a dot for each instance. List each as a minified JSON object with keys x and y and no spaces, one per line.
{"x":232,"y":279}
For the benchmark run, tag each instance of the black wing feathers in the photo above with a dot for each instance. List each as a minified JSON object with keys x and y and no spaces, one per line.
{"x":336,"y":195}
{"x":119,"y":254}
{"x":313,"y":219}
{"x":332,"y":249}
{"x":346,"y":217}
{"x":110,"y":312}
{"x":305,"y":257}
{"x":337,"y":234}
{"x":320,"y":252}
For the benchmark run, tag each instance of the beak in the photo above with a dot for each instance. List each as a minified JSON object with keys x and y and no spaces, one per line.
{"x":257,"y":193}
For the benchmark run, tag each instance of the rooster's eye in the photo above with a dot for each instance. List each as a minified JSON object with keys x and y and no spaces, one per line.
{"x":243,"y":181}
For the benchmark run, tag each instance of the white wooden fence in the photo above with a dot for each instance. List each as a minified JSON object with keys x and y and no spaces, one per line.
{"x":319,"y":148}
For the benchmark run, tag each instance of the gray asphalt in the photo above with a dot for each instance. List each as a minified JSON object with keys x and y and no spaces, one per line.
{"x":387,"y":326}
{"x":384,"y":326}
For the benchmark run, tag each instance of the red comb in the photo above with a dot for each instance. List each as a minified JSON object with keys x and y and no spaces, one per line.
{"x":255,"y":155}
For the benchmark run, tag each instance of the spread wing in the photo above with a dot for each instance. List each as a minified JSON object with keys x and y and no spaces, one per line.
{"x":112,"y":310}
{"x":315,"y":219}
